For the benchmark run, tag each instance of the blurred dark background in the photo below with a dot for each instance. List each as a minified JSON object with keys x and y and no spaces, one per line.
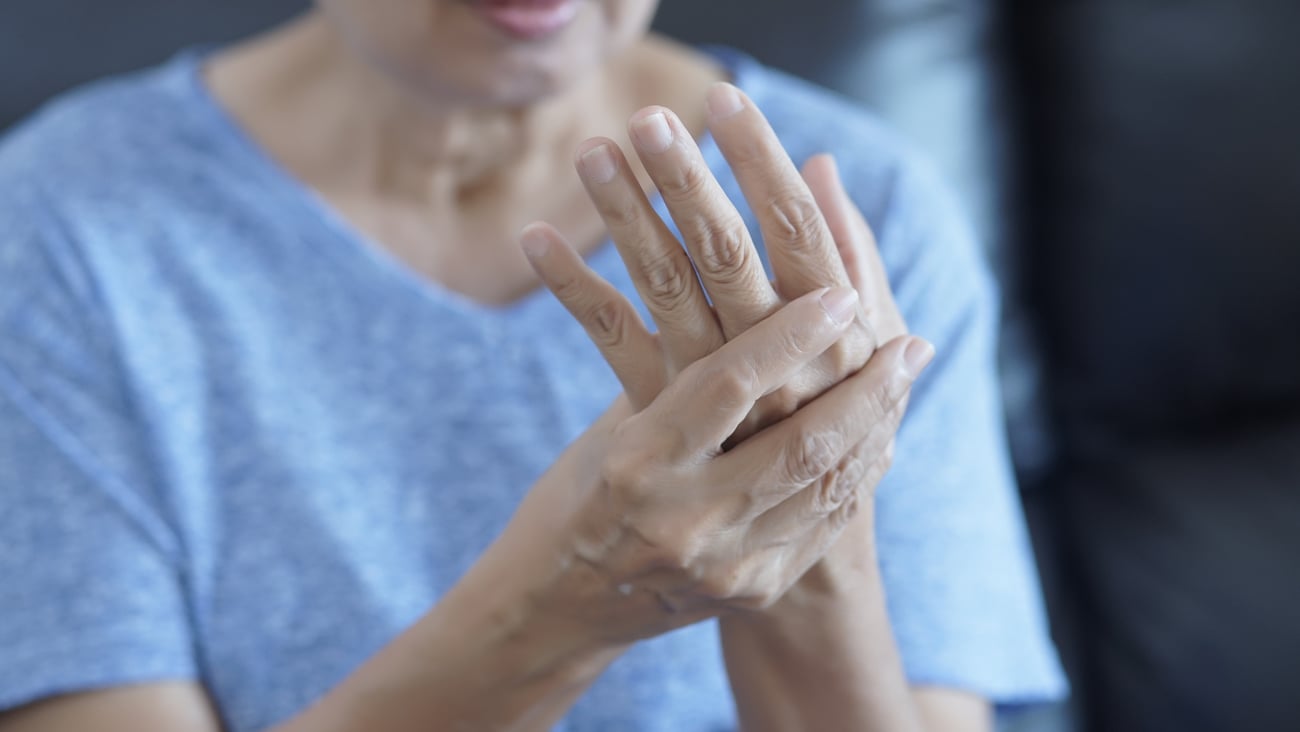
{"x":1134,"y":169}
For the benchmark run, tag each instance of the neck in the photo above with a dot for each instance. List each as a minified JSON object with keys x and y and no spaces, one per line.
{"x":385,"y":140}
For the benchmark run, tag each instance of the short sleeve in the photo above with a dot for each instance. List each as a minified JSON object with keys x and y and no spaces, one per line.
{"x":962,"y":586}
{"x":90,"y":582}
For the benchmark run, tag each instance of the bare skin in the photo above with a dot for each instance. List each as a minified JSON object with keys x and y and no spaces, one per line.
{"x":599,"y":556}
{"x":823,"y":657}
{"x":409,"y":177}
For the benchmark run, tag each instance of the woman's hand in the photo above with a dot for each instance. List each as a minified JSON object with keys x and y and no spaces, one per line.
{"x":815,"y":237}
{"x":824,"y":657}
{"x":672,"y":529}
{"x":800,"y":245}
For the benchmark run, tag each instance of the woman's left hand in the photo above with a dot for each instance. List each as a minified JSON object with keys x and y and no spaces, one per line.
{"x":815,"y":238}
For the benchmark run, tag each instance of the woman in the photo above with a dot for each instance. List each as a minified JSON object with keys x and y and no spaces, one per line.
{"x":283,"y":405}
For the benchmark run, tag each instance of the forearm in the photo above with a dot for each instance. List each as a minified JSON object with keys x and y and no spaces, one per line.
{"x":478,"y":661}
{"x":823,"y":658}
{"x":485,"y":658}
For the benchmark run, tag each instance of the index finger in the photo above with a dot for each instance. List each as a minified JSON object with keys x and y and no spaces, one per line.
{"x":799,"y":243}
{"x":709,"y":400}
{"x":796,"y":451}
{"x":659,"y":267}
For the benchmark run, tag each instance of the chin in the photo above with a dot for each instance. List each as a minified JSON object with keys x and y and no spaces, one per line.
{"x":516,"y":78}
{"x":492,"y":52}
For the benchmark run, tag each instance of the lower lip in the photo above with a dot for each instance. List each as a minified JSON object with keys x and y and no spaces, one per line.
{"x":528,"y":20}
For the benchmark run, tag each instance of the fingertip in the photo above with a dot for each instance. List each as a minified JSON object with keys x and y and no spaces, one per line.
{"x":654,"y":128}
{"x":597,"y":160}
{"x":723,"y":100}
{"x":822,"y":176}
{"x":588,"y":144}
{"x":833,"y":167}
{"x":820,"y":164}
{"x":536,"y":239}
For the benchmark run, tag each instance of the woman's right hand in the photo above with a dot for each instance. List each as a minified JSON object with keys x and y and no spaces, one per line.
{"x":655,"y":526}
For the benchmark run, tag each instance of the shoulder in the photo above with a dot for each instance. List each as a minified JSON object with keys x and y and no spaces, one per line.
{"x":98,"y":141}
{"x":95,"y":172}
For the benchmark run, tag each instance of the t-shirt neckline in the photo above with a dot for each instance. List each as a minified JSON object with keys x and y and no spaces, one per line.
{"x":361,"y":249}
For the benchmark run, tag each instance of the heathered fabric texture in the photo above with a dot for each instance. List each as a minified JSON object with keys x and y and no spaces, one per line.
{"x":240,"y":444}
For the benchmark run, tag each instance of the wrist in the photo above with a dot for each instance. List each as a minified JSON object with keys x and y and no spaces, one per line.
{"x":848,"y":574}
{"x":482,"y":658}
{"x":491,"y":655}
{"x":525,"y":599}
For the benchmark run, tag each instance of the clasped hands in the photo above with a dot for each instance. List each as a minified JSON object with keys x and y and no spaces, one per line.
{"x":761,"y":415}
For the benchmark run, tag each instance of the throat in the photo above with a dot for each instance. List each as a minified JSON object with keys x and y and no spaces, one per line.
{"x":446,"y":194}
{"x":472,"y":250}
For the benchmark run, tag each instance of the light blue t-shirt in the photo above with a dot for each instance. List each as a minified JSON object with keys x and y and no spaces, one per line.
{"x":242,"y":445}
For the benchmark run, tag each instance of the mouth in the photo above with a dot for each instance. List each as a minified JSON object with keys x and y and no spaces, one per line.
{"x":528,"y":20}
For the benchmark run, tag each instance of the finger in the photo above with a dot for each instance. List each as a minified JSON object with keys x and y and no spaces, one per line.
{"x":712,"y":396}
{"x":713,"y":230}
{"x":779,"y":461}
{"x":822,"y":176}
{"x":799,"y":244}
{"x":610,"y":320}
{"x":856,"y":244}
{"x":660,"y":268}
{"x":858,"y":471}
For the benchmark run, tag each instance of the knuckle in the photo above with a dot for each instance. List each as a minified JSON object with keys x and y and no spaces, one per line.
{"x":766,"y":600}
{"x":568,"y":288}
{"x":724,"y":249}
{"x":669,"y":553}
{"x":626,"y":474}
{"x":762,"y":590}
{"x":795,"y":218}
{"x":728,"y":386}
{"x":811,"y":454}
{"x":686,"y":182}
{"x":758,"y":601}
{"x":780,"y":404}
{"x":668,"y":278}
{"x":838,"y":485}
{"x":826,"y":498}
{"x":722,"y":587}
{"x":845,"y":513}
{"x":607,"y":323}
{"x":852,"y":474}
{"x":667,"y":544}
{"x":619,"y":213}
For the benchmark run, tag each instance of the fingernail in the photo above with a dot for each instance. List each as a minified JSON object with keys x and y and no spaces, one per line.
{"x":652,"y":132}
{"x":916,"y":356}
{"x":534,"y":242}
{"x":723,"y":101}
{"x":598,"y":164}
{"x":840,"y":303}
